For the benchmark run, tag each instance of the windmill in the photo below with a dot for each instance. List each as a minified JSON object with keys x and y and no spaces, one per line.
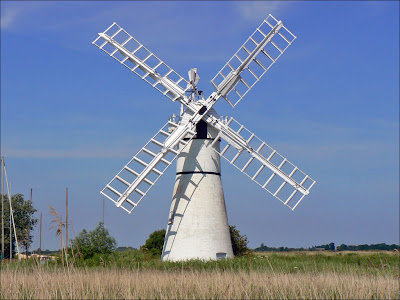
{"x":197,"y":224}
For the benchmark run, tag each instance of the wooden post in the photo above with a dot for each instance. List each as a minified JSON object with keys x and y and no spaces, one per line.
{"x":10,"y":224}
{"x":28,"y":231}
{"x":40,"y":236}
{"x":10,"y":239}
{"x":2,"y":207}
{"x":66,"y":222}
{"x":61,"y":247}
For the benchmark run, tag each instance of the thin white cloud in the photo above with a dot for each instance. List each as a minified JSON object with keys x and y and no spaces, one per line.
{"x":13,"y":13}
{"x":259,"y":10}
{"x":9,"y":16}
{"x":326,"y":144}
{"x":75,"y":153}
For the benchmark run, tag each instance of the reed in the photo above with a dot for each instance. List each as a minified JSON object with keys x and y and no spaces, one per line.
{"x":156,"y":284}
{"x":265,"y":276}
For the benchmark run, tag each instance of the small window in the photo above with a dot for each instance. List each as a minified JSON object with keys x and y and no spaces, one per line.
{"x":221,"y":255}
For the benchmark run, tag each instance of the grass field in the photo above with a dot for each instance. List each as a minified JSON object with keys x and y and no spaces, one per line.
{"x":265,"y":275}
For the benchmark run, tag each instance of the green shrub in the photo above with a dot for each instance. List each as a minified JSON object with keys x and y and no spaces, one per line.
{"x":97,"y":241}
{"x":239,"y":242}
{"x":154,"y":244}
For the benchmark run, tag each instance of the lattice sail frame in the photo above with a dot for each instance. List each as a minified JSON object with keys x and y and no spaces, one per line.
{"x":140,"y":164}
{"x":124,"y":48}
{"x":237,"y":77}
{"x":253,"y":59}
{"x":264,"y":165}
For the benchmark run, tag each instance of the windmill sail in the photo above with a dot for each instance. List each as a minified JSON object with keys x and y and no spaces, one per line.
{"x":253,"y":59}
{"x":139,"y":175}
{"x":120,"y":45}
{"x":263,"y":164}
{"x":240,"y":147}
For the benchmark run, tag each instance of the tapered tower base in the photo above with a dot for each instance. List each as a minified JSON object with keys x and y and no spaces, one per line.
{"x":198,"y":224}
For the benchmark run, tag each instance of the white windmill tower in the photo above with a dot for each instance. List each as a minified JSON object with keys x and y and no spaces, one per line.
{"x":197,"y":224}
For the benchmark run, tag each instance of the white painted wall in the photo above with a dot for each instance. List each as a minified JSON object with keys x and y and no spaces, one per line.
{"x":198,"y":225}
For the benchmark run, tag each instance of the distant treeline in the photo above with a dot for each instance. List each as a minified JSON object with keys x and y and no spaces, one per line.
{"x":44,"y":252}
{"x":263,"y":248}
{"x":331,"y":247}
{"x":122,"y":249}
{"x":381,"y":246}
{"x":48,"y":252}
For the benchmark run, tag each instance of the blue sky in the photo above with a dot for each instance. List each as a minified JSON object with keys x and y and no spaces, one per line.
{"x":72,"y":116}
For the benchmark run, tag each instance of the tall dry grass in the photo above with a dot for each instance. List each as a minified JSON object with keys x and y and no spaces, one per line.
{"x":114,"y":283}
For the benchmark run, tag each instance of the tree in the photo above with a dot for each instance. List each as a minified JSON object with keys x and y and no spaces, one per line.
{"x":25,"y":242}
{"x":363,"y":247}
{"x":98,"y":240}
{"x":239,"y":242}
{"x":154,"y":244}
{"x":342,"y":247}
{"x":23,"y":211}
{"x":331,"y":247}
